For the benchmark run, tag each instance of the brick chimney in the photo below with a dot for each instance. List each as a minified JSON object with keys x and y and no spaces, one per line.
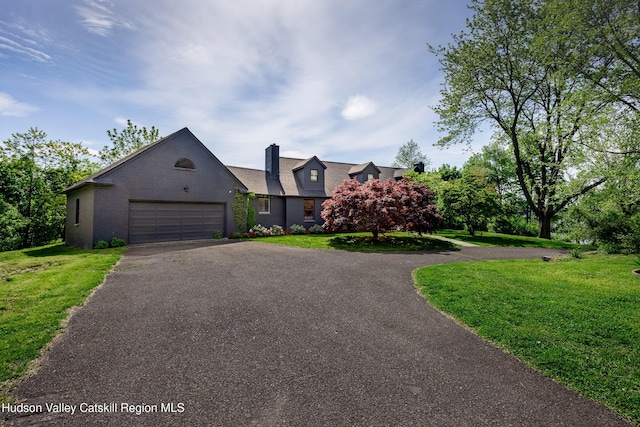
{"x":272,"y":161}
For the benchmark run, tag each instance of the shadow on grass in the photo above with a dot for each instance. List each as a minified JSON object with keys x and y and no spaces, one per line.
{"x":388,"y":243}
{"x":54,"y":250}
{"x":499,"y":241}
{"x":494,"y":239}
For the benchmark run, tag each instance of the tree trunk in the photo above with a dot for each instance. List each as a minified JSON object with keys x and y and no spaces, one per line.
{"x":544,"y":220}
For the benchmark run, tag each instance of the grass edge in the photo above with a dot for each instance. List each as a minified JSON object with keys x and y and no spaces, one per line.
{"x":35,"y":365}
{"x":506,"y":351}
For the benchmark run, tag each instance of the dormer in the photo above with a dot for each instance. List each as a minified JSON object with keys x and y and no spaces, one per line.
{"x":310,"y":173}
{"x":364,"y":172}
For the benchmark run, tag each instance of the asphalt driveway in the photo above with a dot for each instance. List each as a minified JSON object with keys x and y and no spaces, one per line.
{"x":250,"y":333}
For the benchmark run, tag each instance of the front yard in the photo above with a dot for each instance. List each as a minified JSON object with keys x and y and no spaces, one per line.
{"x":38,"y":287}
{"x":574,"y":320}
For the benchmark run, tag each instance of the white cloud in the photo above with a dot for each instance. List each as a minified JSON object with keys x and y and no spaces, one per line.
{"x":242,"y":75}
{"x":98,"y":18}
{"x":12,"y":108}
{"x":359,"y":107}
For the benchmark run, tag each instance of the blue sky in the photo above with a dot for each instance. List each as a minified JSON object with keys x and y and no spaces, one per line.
{"x":346,"y":80}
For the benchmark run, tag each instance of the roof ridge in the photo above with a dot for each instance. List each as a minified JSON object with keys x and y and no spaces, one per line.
{"x":340,"y":163}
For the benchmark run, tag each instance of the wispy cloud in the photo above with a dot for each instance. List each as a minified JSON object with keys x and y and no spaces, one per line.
{"x":347,"y":81}
{"x":98,"y":17}
{"x":278,"y":71}
{"x":13,"y":108}
{"x":24,"y":43}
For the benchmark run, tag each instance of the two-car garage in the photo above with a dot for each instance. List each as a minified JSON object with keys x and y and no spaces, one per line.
{"x":167,"y":221}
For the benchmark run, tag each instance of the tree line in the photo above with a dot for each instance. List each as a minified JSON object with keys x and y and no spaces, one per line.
{"x":557,"y":80}
{"x":34,"y":170}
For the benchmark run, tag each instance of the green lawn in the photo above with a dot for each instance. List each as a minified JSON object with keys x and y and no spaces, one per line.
{"x":485,"y":238}
{"x":574,"y":320}
{"x":37,"y":288}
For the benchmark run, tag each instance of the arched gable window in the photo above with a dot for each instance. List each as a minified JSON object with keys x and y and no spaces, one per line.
{"x":184,"y":163}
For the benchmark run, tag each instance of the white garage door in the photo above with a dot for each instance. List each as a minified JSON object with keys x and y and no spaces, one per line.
{"x":162,"y":222}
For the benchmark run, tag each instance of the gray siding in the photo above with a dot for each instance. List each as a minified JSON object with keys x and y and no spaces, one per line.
{"x":151,"y":176}
{"x":303,"y":176}
{"x":370,"y":169}
{"x":277,"y":215}
{"x":80,"y":234}
{"x":295,"y":211}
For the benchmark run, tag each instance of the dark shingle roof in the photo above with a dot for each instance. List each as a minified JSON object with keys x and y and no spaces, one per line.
{"x":256,"y":181}
{"x":357,"y":169}
{"x":334,"y":174}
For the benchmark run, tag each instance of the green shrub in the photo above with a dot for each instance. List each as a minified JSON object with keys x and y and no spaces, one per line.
{"x":277,"y":230}
{"x":610,"y":248}
{"x":117,"y":242}
{"x":101,"y":244}
{"x":297,"y":229}
{"x":251,"y":217}
{"x":514,"y":225}
{"x":575,"y":253}
{"x":608,"y":227}
{"x":217,"y":235}
{"x":316,"y":229}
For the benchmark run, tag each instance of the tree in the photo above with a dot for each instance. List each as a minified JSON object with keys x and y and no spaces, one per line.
{"x":471,"y":201}
{"x":409,"y":155}
{"x":34,"y":171}
{"x":610,"y":216}
{"x":127,"y":141}
{"x":605,"y":45}
{"x":509,"y":69}
{"x":449,"y":173}
{"x":380,"y":207}
{"x":500,"y":173}
{"x":416,"y":207}
{"x":600,"y":220}
{"x":11,"y":226}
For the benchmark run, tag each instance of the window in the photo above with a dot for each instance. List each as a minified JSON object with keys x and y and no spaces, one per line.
{"x":314,"y":175}
{"x":309,"y":210}
{"x":77,"y":211}
{"x":185,"y":164}
{"x":369,"y":177}
{"x":264,"y":205}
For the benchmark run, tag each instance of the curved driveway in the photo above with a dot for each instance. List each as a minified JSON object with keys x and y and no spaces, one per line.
{"x":250,"y":333}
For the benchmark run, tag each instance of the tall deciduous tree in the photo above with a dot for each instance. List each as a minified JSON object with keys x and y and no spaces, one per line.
{"x":409,"y":155}
{"x":127,"y":141}
{"x":508,"y":68}
{"x":380,"y":207}
{"x":605,"y":40}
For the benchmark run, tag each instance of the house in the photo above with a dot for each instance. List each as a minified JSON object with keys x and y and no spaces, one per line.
{"x":176,"y":189}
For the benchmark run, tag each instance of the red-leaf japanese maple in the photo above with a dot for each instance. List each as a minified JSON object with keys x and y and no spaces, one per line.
{"x":380,"y":207}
